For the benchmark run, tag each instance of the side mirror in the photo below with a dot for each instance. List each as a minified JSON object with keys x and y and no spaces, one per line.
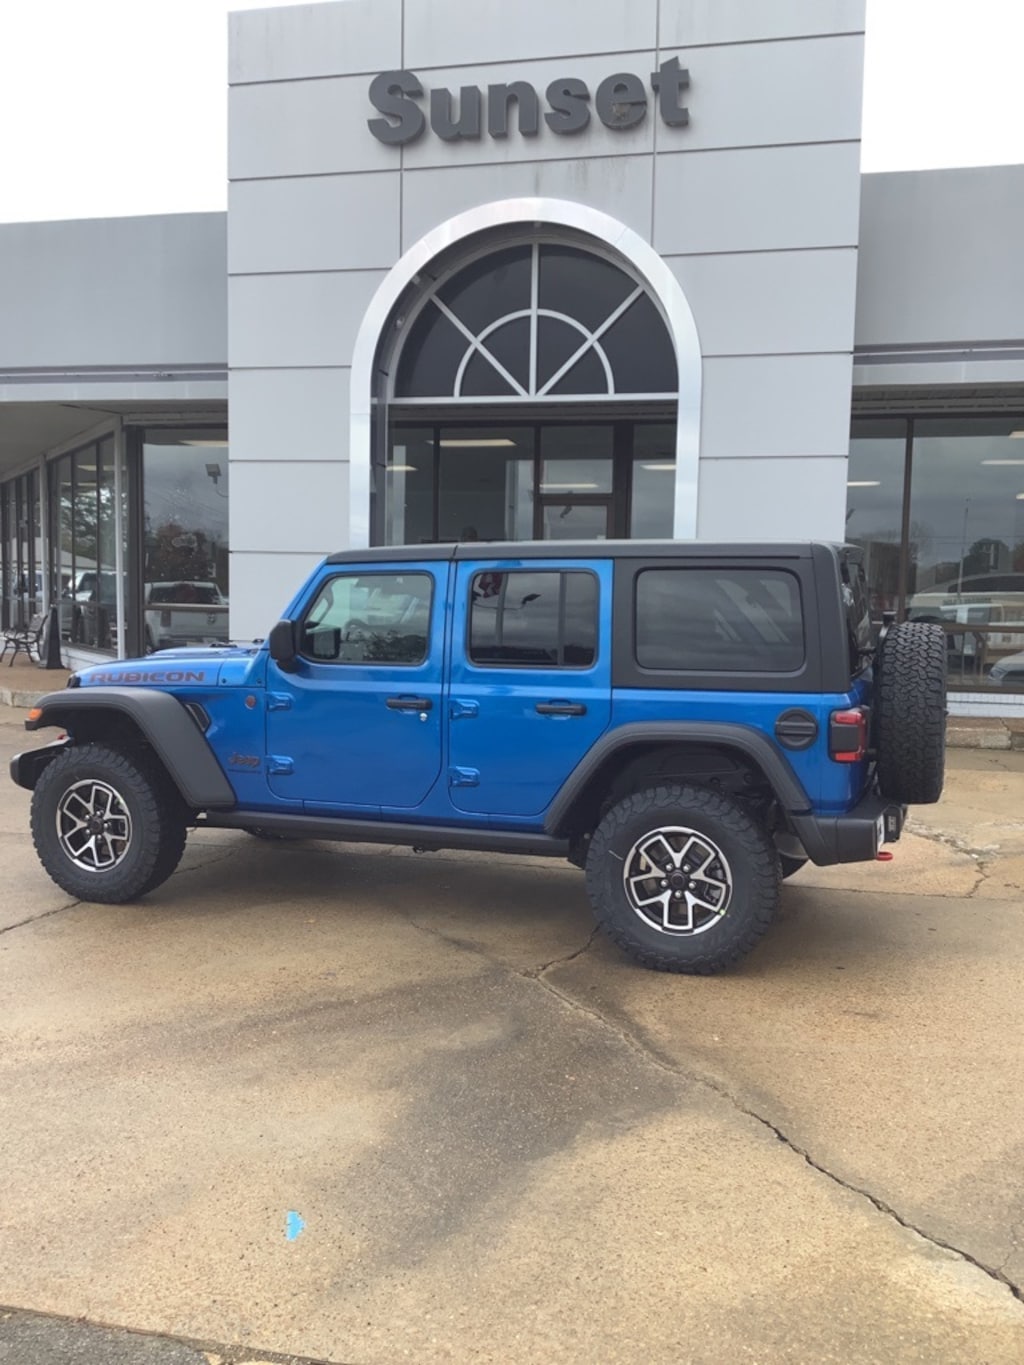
{"x":282,"y":646}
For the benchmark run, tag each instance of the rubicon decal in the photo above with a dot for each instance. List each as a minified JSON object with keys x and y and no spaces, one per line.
{"x":620,"y":101}
{"x":128,"y":677}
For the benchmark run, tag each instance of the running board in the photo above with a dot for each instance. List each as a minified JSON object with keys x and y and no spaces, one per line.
{"x":429,"y":838}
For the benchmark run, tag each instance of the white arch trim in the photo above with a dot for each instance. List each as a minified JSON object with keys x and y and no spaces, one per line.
{"x":664,"y":288}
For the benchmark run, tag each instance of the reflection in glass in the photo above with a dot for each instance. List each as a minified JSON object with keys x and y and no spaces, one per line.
{"x":576,"y":459}
{"x":967,"y":543}
{"x":652,"y":511}
{"x":874,"y":505}
{"x":409,"y":487}
{"x":185,"y":537}
{"x":485,"y":483}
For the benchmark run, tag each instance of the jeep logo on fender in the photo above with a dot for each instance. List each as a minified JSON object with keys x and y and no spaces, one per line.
{"x":621,"y":102}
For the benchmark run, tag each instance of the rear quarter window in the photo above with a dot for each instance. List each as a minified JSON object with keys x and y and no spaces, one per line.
{"x":706,"y":620}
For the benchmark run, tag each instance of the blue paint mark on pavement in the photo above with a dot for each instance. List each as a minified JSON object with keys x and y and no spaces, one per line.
{"x":293,"y":1225}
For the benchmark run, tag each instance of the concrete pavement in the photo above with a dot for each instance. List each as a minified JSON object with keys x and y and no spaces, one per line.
{"x":367,"y":1106}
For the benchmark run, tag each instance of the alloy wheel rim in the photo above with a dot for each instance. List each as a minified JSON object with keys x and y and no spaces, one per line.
{"x":677,"y":881}
{"x":94,"y":826}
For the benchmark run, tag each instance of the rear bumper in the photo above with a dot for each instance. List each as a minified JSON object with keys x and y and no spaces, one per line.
{"x":854,"y":837}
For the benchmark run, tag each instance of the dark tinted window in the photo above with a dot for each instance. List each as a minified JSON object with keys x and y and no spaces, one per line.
{"x":710,"y":620}
{"x":545,"y":619}
{"x":369,"y":619}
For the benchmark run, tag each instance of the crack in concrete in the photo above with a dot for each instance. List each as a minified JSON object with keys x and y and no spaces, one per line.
{"x":651,"y":1056}
{"x":538,"y":972}
{"x":43,"y":914}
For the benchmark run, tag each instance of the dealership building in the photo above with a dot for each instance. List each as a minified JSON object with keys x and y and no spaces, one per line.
{"x":565,"y":269}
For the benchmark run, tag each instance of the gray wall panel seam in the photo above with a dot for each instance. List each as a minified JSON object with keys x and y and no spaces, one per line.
{"x":546,"y":160}
{"x":262,"y":369}
{"x":670,"y":256}
{"x":768,"y":355}
{"x":550,"y":57}
{"x":310,"y":270}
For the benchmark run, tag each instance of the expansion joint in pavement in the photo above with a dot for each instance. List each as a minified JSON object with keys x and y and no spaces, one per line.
{"x":653,"y":1058}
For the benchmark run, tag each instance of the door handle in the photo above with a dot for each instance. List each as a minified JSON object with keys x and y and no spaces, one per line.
{"x":409,"y":703}
{"x":561,"y":708}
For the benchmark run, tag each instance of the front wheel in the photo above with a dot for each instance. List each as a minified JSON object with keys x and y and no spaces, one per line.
{"x":682,"y":878}
{"x":108,"y":825}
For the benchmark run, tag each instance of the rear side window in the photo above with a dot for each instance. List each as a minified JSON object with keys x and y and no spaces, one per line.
{"x":539,"y":620}
{"x":719,"y":620}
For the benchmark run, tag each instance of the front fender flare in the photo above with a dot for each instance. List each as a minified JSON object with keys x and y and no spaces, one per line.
{"x":165,"y":724}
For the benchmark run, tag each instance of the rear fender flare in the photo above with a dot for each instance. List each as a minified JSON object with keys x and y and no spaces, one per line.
{"x":740,"y":739}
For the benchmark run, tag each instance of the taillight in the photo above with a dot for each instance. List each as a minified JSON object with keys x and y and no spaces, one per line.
{"x":848,"y":736}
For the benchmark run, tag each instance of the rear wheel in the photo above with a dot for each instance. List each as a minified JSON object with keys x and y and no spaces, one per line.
{"x":108,"y":824}
{"x":682,"y":878}
{"x":910,"y":713}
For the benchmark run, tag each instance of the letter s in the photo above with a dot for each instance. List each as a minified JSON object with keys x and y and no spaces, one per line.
{"x":389,"y":94}
{"x":568,"y":99}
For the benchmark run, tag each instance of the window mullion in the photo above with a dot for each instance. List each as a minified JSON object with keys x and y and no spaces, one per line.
{"x":534,"y":296}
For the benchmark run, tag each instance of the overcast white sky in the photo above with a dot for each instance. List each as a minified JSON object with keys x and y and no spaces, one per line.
{"x":112,"y":107}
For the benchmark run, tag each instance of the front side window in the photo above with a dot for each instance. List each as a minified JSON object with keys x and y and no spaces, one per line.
{"x":541,"y":620}
{"x":369,"y":619}
{"x":719,"y":620}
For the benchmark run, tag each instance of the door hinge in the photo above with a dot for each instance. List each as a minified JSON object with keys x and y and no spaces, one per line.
{"x":278,"y":701}
{"x":280,"y":765}
{"x":463,"y":777}
{"x":463,"y":710}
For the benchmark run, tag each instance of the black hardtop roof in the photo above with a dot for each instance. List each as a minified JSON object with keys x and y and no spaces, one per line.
{"x":590,"y":549}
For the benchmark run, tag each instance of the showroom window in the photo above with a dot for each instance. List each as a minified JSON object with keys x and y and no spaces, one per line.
{"x":937,"y":503}
{"x":21,"y":549}
{"x":184,"y":537}
{"x":86,"y":524}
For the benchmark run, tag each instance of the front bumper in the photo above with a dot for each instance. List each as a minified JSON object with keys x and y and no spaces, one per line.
{"x":855,"y":837}
{"x":26,"y":767}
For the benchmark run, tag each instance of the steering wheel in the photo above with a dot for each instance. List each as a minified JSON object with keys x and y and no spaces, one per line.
{"x":356,"y":630}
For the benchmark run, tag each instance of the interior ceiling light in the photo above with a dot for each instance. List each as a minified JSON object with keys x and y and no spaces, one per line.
{"x":1002,"y":462}
{"x":660,"y":464}
{"x":1020,"y":497}
{"x":210,"y":444}
{"x":567,"y":487}
{"x":1017,"y":435}
{"x":475,"y":443}
{"x":402,"y":468}
{"x":863,"y":483}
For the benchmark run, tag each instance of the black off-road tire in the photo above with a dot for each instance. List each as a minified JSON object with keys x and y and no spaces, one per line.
{"x":157,"y":814}
{"x":910,"y":713}
{"x":790,"y":866}
{"x":752,"y":862}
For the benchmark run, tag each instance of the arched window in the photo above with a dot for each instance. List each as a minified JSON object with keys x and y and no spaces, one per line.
{"x":527,"y":389}
{"x":538,"y":322}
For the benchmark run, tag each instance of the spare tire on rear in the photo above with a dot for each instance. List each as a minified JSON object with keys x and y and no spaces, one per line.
{"x":910,"y":713}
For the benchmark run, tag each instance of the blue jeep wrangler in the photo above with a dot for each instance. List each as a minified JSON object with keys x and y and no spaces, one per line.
{"x":689,"y":723}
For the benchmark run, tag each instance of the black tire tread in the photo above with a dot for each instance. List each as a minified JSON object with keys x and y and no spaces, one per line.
{"x":161,"y":810}
{"x":911,"y":713}
{"x":690,"y":801}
